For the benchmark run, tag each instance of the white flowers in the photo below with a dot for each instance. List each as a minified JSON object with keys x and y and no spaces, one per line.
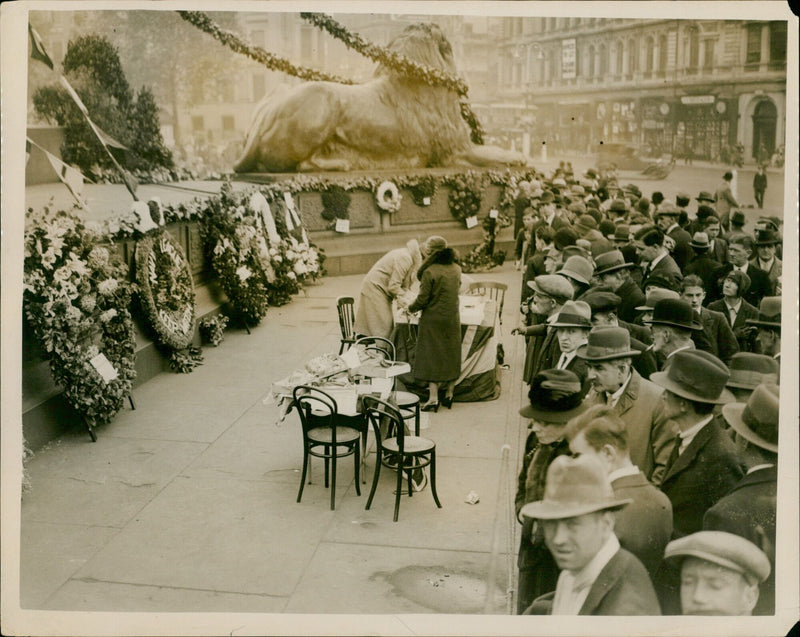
{"x":244,"y":273}
{"x":109,"y":286}
{"x":108,"y":315}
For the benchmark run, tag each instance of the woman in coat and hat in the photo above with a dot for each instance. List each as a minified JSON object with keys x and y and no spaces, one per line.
{"x":438,"y":357}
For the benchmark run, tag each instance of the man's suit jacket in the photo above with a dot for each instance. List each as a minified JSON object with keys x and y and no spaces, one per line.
{"x":720,"y":250}
{"x":699,"y":477}
{"x":632,"y":297}
{"x":705,"y":267}
{"x":645,"y":362}
{"x":746,"y":311}
{"x":682,"y":252}
{"x":644,"y":526}
{"x":749,"y":510}
{"x":775,"y":271}
{"x":760,"y":285}
{"x":665,"y":266}
{"x":720,"y":335}
{"x":650,"y":434}
{"x":639,"y":332}
{"x":622,"y":588}
{"x":533,"y":267}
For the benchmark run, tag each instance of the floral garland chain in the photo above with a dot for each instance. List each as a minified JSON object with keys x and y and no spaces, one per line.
{"x":76,"y":299}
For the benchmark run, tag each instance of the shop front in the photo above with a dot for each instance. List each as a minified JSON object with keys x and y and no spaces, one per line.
{"x":704,"y":127}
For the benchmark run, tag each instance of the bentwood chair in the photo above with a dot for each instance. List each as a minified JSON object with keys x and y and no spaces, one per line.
{"x":324,"y":436}
{"x":347,"y":321}
{"x":378,"y":344}
{"x":398,"y":450}
{"x":494,"y":290}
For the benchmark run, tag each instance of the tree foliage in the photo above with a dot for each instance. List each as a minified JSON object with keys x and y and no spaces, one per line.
{"x":93,"y":68}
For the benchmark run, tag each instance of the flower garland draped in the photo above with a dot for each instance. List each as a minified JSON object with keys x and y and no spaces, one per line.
{"x":76,"y":297}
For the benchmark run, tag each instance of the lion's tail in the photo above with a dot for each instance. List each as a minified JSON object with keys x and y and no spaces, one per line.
{"x":261,"y":120}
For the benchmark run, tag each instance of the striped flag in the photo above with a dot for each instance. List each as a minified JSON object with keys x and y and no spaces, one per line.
{"x":104,"y":137}
{"x":69,"y":176}
{"x":37,"y":48}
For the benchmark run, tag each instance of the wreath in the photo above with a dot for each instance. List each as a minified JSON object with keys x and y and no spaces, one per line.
{"x":166,"y":289}
{"x":423,"y":188}
{"x":388,"y":197}
{"x":76,"y":299}
{"x":466,"y":193}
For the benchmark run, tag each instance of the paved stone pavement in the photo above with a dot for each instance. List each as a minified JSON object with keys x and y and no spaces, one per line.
{"x":187,"y":503}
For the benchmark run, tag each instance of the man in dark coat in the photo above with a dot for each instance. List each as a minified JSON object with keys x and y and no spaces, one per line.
{"x":667,"y":220}
{"x":653,"y":255}
{"x":740,"y":249}
{"x":702,"y":265}
{"x":750,"y":509}
{"x":598,"y":576}
{"x":554,"y":398}
{"x":719,"y":246}
{"x":644,"y":526}
{"x":613,"y":272}
{"x":760,"y":185}
{"x":720,"y":335}
{"x":704,"y":464}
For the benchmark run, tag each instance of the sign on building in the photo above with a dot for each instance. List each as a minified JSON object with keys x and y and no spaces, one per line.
{"x":568,"y":59}
{"x":697,"y":99}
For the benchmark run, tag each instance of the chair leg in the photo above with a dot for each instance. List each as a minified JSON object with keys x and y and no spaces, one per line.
{"x":416,"y":419}
{"x":333,"y":481}
{"x":358,"y":467}
{"x":409,"y":473}
{"x":378,"y":456}
{"x":364,"y":451}
{"x":303,"y":477}
{"x":399,"y":490}
{"x":327,"y":461}
{"x":433,"y":479}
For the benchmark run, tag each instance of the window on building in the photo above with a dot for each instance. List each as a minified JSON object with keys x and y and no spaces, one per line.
{"x":694,"y":49}
{"x":708,"y":54}
{"x":259,"y":86}
{"x":620,"y":53}
{"x":603,"y":61}
{"x":257,"y":38}
{"x":753,"y":44}
{"x":662,"y":53}
{"x":632,"y":58}
{"x":305,"y":43}
{"x":649,"y":53}
{"x":226,"y":93}
{"x":589,"y":70}
{"x":197,"y":123}
{"x":777,"y":41}
{"x":228,"y":123}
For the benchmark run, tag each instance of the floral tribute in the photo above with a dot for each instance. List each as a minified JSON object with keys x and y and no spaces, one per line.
{"x":166,"y":296}
{"x":388,"y":197}
{"x":76,"y":298}
{"x":466,"y":193}
{"x":212,"y":329}
{"x":423,"y":190}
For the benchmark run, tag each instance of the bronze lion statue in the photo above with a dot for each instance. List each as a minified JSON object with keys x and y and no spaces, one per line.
{"x":388,"y":122}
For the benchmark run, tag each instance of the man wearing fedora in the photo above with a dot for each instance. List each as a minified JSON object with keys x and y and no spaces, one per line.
{"x":543,"y":238}
{"x":748,"y":371}
{"x":720,"y":335}
{"x":702,"y":264}
{"x":735,"y":224}
{"x":644,"y":526}
{"x":576,"y":515}
{"x":666,"y":218}
{"x":720,"y":573}
{"x":608,"y":354}
{"x":750,"y":509}
{"x":736,"y":310}
{"x":573,"y":324}
{"x":765,"y":258}
{"x":554,"y":398}
{"x":550,"y":292}
{"x":739,"y":250}
{"x":613,"y":272}
{"x":548,"y":215}
{"x":675,"y":328}
{"x":768,"y":323}
{"x":653,"y":255}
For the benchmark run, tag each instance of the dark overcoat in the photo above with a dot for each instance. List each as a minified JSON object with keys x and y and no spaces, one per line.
{"x":749,"y":511}
{"x":720,"y":335}
{"x":622,"y":588}
{"x":438,"y":357}
{"x":746,"y":311}
{"x":632,"y":297}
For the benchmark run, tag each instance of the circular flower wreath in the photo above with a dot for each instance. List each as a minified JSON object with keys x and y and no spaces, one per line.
{"x":388,"y":197}
{"x":77,"y":298}
{"x":166,"y":289}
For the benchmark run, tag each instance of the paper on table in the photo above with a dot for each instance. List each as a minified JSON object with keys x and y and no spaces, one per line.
{"x":351,"y":359}
{"x":104,"y":367}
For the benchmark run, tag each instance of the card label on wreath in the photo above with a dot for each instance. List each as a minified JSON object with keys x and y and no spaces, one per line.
{"x":342,"y":225}
{"x":104,"y":367}
{"x":471,"y":221}
{"x":493,"y":213}
{"x":426,"y":201}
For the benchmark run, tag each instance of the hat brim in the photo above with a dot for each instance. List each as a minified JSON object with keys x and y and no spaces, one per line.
{"x":614,"y":268}
{"x":549,"y":510}
{"x":574,"y":276}
{"x":585,"y":326}
{"x":733,"y":416}
{"x":699,"y":246}
{"x":694,"y":327}
{"x":762,"y":323}
{"x":549,"y":416}
{"x":581,"y":353}
{"x":663,"y":380}
{"x":707,"y":557}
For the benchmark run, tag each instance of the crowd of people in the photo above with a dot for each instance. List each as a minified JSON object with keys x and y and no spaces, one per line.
{"x":649,"y":476}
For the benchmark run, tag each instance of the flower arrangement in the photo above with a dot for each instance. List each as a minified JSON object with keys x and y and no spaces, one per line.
{"x":212,"y":329}
{"x":335,"y":203}
{"x":388,"y":197}
{"x":76,"y":297}
{"x":185,"y":360}
{"x":466,"y":193}
{"x":423,"y":189}
{"x":166,"y":290}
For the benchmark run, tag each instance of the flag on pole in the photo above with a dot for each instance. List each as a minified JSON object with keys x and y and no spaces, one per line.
{"x":37,"y":48}
{"x":69,"y":176}
{"x":104,"y":137}
{"x":75,"y":98}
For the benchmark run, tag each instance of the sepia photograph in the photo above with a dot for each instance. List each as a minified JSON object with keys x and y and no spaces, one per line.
{"x":399,"y":318}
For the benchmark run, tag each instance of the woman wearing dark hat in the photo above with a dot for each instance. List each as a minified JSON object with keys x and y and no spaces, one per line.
{"x":734,"y":308}
{"x":438,"y":358}
{"x":555,"y":397}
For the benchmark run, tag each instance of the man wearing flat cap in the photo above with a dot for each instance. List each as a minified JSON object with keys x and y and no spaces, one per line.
{"x":636,"y":401}
{"x":719,"y":573}
{"x":576,"y":515}
{"x":550,"y":292}
{"x":666,"y":218}
{"x":554,"y":398}
{"x":768,"y":323}
{"x":613,"y":272}
{"x":750,"y":509}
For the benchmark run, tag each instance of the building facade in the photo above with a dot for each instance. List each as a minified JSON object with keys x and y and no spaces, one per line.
{"x":688,"y":88}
